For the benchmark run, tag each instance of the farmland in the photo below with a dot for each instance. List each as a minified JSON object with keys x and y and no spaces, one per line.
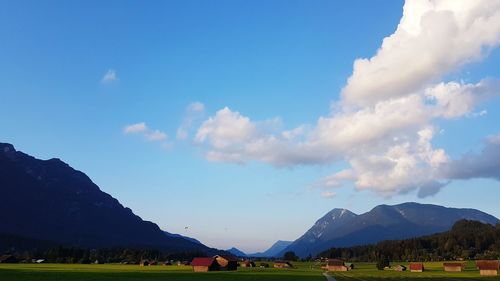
{"x":107,"y":272}
{"x":433,"y":271}
{"x":303,"y":272}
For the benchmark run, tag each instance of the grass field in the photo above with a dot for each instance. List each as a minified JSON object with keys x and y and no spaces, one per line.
{"x":433,"y":271}
{"x":108,"y":272}
{"x":303,"y":272}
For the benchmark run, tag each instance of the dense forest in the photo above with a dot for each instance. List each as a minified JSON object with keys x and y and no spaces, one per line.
{"x":27,"y":249}
{"x":466,"y":240}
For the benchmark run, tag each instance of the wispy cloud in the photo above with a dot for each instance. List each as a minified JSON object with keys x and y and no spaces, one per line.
{"x":109,"y":77}
{"x":328,"y":194}
{"x":135,"y":128}
{"x":194,"y":112}
{"x":143,"y":130}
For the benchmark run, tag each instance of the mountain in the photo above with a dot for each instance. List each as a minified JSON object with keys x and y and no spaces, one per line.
{"x":274,"y":250}
{"x":236,"y":252}
{"x":343,"y":228}
{"x":182,"y":236}
{"x":466,"y":239}
{"x":47,"y":200}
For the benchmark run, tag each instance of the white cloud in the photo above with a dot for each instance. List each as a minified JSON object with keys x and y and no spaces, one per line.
{"x":328,"y":194}
{"x":156,"y":135}
{"x":383,"y":125}
{"x":432,"y":39}
{"x":142,"y":129}
{"x":109,"y":77}
{"x":135,"y":128}
{"x":194,"y":112}
{"x":226,"y":128}
{"x":454,"y":99}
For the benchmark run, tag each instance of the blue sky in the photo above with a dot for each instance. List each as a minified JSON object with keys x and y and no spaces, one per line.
{"x":75,"y":75}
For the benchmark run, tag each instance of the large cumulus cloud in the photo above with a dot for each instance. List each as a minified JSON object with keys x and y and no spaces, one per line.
{"x":384,"y":122}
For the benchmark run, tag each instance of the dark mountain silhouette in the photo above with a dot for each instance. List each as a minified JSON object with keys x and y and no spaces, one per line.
{"x":466,"y":240}
{"x":342,"y":228}
{"x":47,"y":200}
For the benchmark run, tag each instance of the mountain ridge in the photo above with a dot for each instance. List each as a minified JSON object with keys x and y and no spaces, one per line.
{"x":66,"y":207}
{"x":343,"y":228}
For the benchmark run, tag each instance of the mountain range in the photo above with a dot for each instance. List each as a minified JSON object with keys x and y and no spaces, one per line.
{"x":343,"y":228}
{"x":47,"y":200}
{"x":272,"y":252}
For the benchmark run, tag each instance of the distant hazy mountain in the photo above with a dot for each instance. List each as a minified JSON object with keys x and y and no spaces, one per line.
{"x":343,"y":228}
{"x":47,"y":200}
{"x":236,"y":252}
{"x":274,"y":250}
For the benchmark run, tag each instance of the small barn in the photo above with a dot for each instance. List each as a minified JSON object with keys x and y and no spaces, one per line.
{"x":400,"y":268}
{"x":337,"y":265}
{"x":416,"y":267}
{"x":488,"y":267}
{"x":204,"y":264}
{"x":248,"y":263}
{"x":453,"y":266}
{"x":144,"y":263}
{"x":227,"y":262}
{"x":8,"y":259}
{"x":282,"y":264}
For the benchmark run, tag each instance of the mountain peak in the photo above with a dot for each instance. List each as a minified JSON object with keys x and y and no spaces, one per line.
{"x":67,"y":208}
{"x":237,"y":252}
{"x":338,"y":213}
{"x":6,"y":147}
{"x":342,"y":228}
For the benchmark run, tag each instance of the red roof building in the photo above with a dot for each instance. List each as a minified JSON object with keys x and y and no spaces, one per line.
{"x":336,"y":265}
{"x":488,"y":267}
{"x":227,"y":262}
{"x":416,"y":267}
{"x":204,"y":264}
{"x":453,"y":266}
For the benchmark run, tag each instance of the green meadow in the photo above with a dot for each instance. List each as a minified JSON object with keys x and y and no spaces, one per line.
{"x":302,"y":272}
{"x":433,"y":271}
{"x":108,"y":272}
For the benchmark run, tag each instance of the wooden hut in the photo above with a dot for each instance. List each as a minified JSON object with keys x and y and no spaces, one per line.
{"x":282,"y":264}
{"x":8,"y":259}
{"x":453,"y":266}
{"x":400,"y":268}
{"x":416,"y":267}
{"x":337,"y":265}
{"x":227,"y":262}
{"x":488,"y":267}
{"x":204,"y":264}
{"x":248,"y":263}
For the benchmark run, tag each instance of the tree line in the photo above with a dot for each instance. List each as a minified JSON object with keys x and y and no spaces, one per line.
{"x":466,"y":240}
{"x":27,"y":249}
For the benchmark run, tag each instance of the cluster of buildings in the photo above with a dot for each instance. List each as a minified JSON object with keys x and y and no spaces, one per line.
{"x":228,"y":263}
{"x":485,"y":267}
